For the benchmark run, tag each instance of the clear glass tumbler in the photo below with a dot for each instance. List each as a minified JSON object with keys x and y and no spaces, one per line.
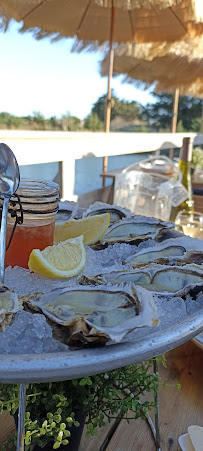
{"x":190,"y":223}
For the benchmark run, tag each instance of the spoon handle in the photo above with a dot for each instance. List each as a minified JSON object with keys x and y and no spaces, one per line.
{"x":3,"y":238}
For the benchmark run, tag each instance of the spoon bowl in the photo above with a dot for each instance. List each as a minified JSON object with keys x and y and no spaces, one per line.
{"x":9,"y":171}
{"x":9,"y":182}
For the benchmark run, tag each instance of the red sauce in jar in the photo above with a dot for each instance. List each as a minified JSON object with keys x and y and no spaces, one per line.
{"x":25,"y":239}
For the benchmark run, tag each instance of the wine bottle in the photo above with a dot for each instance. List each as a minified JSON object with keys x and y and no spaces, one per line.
{"x":184,"y":166}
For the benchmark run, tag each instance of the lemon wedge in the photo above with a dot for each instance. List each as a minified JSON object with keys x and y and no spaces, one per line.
{"x":65,"y":259}
{"x":93,"y":228}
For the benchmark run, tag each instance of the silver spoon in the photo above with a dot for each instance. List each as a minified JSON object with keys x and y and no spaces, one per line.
{"x":9,"y":182}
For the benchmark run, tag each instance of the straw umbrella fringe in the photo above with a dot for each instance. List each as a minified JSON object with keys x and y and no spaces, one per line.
{"x":131,"y":4}
{"x":177,"y":65}
{"x":172,"y":68}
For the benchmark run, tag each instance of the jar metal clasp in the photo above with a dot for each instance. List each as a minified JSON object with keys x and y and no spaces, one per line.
{"x":14,"y":214}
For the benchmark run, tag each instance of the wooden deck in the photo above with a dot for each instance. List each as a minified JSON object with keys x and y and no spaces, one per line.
{"x":178,"y":410}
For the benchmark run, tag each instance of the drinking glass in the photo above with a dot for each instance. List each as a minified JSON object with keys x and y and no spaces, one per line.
{"x":190,"y":223}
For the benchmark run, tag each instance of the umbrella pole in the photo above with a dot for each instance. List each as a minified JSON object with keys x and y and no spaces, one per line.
{"x":110,"y":73}
{"x":175,"y":116}
{"x":201,"y":126}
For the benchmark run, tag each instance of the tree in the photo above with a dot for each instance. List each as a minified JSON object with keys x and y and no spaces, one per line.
{"x":180,"y":128}
{"x":39,"y":119}
{"x":70,"y":123}
{"x":159,"y":114}
{"x":123,"y":108}
{"x":92,"y":122}
{"x":10,"y":121}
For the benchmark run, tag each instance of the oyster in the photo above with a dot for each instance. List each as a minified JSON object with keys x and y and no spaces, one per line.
{"x":94,"y":314}
{"x":117,"y":277}
{"x":67,"y":210}
{"x":176,"y":279}
{"x":9,"y":305}
{"x":157,"y":254}
{"x":116,"y":213}
{"x":134,"y":230}
{"x":195,"y":257}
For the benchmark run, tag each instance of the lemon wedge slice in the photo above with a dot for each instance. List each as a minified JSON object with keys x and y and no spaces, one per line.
{"x":93,"y":228}
{"x":65,"y":259}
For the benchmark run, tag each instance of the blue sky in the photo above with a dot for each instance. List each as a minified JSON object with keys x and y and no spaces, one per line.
{"x":47,"y":77}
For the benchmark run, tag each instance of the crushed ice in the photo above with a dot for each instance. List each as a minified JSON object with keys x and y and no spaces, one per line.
{"x":30,"y":333}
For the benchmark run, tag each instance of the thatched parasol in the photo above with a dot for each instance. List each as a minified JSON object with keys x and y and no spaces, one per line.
{"x":134,"y":20}
{"x":117,"y":21}
{"x":177,"y":67}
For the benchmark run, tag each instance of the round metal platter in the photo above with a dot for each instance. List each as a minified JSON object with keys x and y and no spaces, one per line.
{"x":88,"y":361}
{"x":79,"y":363}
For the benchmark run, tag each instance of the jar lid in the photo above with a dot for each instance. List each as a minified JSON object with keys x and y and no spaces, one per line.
{"x":37,"y":189}
{"x":36,"y":197}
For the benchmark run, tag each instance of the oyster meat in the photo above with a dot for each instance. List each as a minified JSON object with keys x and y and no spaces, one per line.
{"x":9,"y":305}
{"x":175,"y":279}
{"x":134,"y":230}
{"x":94,"y":314}
{"x":156,"y":254}
{"x":67,"y":210}
{"x":117,"y":277}
{"x":116,"y":213}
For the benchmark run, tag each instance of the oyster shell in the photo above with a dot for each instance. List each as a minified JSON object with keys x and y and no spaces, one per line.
{"x":156,"y":254}
{"x":117,"y":277}
{"x":116,"y":213}
{"x":175,"y":279}
{"x":67,"y":210}
{"x":94,"y":314}
{"x":9,"y":305}
{"x":195,"y":257}
{"x":134,"y":230}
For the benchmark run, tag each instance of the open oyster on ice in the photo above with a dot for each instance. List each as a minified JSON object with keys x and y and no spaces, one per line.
{"x":116,"y":213}
{"x":9,"y":305}
{"x":94,"y":315}
{"x":117,"y":277}
{"x":160,"y":254}
{"x":169,"y":252}
{"x":158,"y":278}
{"x":134,"y":230}
{"x":178,"y":279}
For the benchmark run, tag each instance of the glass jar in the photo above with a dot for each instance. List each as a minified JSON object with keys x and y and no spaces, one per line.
{"x":39,"y":201}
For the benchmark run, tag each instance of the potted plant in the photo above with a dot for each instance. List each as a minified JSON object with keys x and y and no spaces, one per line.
{"x":54,"y":410}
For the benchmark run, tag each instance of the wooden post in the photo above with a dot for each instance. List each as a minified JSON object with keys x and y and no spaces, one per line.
{"x":175,"y":117}
{"x":201,"y":126}
{"x":110,"y":73}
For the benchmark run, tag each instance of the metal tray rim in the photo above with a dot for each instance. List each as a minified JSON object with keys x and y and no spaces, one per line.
{"x":79,"y":363}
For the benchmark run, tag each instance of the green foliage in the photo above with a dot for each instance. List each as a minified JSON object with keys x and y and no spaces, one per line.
{"x":122,"y":108}
{"x":159,"y":114}
{"x":93,"y":123}
{"x":10,"y":444}
{"x":196,"y":124}
{"x":156,"y":116}
{"x":180,"y":128}
{"x":10,"y":121}
{"x":70,"y":123}
{"x":38,"y":118}
{"x":50,"y":406}
{"x":197,"y":158}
